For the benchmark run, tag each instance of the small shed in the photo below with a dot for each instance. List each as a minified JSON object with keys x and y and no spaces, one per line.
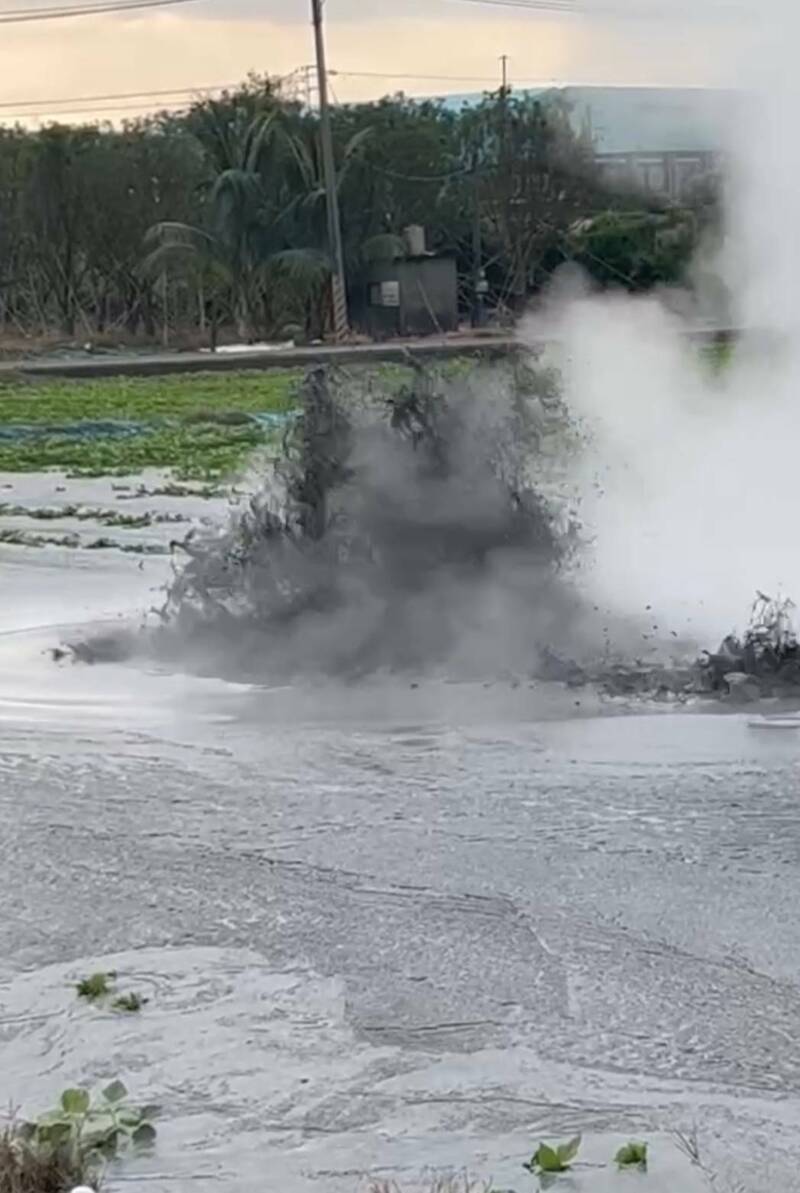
{"x":412,"y":296}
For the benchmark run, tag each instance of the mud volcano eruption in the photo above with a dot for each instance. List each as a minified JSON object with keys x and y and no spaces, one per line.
{"x":399,"y":532}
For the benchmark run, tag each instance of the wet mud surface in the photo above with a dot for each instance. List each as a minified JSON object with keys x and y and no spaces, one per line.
{"x":389,"y":943}
{"x":387,"y":928}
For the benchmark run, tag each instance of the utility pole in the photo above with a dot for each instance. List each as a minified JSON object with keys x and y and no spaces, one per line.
{"x":504,"y":61}
{"x":479,"y":284}
{"x":338,"y":284}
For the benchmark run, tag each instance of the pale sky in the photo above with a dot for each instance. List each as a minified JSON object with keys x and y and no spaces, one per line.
{"x":214,"y":42}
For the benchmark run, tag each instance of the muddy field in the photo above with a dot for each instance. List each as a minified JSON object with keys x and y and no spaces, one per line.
{"x":386,"y":928}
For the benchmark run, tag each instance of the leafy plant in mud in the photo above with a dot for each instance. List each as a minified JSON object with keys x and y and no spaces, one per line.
{"x":554,"y":1158}
{"x":96,"y":987}
{"x":73,"y":1142}
{"x":99,"y":988}
{"x":131,"y":1003}
{"x":632,"y":1155}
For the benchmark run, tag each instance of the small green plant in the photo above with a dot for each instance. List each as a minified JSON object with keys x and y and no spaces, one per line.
{"x":84,"y":1134}
{"x":100,"y":987}
{"x":557,"y":1158}
{"x":632,"y":1155}
{"x":130,"y":1003}
{"x":96,"y":987}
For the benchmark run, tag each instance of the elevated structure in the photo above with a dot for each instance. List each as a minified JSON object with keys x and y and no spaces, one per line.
{"x":657,"y":138}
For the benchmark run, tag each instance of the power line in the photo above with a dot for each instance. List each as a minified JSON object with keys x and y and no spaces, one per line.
{"x":75,"y":105}
{"x":142,"y":109}
{"x":530,"y":5}
{"x":207,"y":88}
{"x":21,"y":16}
{"x":377,"y":74}
{"x":123,"y":95}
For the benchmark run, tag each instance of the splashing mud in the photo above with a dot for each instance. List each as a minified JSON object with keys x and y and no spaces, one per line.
{"x":432,"y":529}
{"x":406,"y":533}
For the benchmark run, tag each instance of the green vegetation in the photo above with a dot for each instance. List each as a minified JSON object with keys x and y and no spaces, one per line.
{"x":99,"y":988}
{"x":632,"y":1155}
{"x":96,"y":987}
{"x":556,"y":1158}
{"x":85,"y":513}
{"x":26,"y":1167}
{"x":131,"y":1004}
{"x":635,"y":249}
{"x":201,"y":452}
{"x":552,"y":1159}
{"x":142,"y":398}
{"x":22,"y":538}
{"x":187,"y":224}
{"x":199,"y":427}
{"x":207,"y":492}
{"x":73,"y":1143}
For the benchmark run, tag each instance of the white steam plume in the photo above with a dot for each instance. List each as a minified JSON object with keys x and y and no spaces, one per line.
{"x":690,"y":484}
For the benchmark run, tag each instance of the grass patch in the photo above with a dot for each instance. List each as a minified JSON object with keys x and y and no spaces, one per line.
{"x":204,"y":430}
{"x":201,"y":451}
{"x":27,"y":1168}
{"x":59,"y":400}
{"x":208,"y":437}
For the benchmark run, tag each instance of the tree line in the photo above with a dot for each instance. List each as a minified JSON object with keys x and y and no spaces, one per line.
{"x":212,"y":220}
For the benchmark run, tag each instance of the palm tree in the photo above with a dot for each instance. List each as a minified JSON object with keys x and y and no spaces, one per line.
{"x":262,"y":243}
{"x":232,"y":250}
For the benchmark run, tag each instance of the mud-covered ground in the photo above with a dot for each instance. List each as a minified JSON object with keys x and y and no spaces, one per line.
{"x":389,"y":927}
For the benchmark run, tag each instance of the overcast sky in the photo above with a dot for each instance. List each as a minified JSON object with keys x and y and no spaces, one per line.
{"x":218,"y":41}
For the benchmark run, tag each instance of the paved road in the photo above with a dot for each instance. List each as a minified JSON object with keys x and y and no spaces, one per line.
{"x":141,"y":365}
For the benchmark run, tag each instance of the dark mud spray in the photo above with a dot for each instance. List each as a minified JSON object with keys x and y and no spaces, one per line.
{"x":405,"y":532}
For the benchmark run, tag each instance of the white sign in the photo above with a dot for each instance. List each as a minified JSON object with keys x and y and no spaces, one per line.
{"x":390,"y":294}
